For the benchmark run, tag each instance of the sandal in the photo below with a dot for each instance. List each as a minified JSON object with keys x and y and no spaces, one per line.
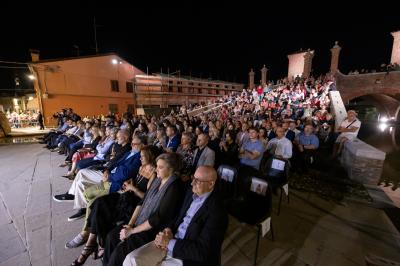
{"x":99,"y":254}
{"x":69,"y":176}
{"x":77,"y":241}
{"x":87,"y":250}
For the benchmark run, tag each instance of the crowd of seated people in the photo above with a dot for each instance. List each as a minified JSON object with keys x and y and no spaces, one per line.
{"x":145,"y":185}
{"x":19,"y":119}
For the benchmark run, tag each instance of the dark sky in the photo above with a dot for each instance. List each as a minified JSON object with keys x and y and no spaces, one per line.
{"x":222,"y":41}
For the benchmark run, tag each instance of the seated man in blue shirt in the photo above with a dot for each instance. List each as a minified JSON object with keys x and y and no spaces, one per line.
{"x":196,"y":235}
{"x":307,"y":143}
{"x":252,"y":150}
{"x":250,"y":155}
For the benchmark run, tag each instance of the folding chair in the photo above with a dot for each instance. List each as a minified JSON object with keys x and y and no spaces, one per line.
{"x":255,"y":209}
{"x":227,"y":182}
{"x":277,"y":172}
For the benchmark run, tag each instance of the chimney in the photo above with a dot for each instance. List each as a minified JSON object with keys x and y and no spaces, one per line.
{"x":34,"y":55}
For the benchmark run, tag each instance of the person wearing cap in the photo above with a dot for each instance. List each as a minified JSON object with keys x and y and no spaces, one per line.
{"x":348,"y":130}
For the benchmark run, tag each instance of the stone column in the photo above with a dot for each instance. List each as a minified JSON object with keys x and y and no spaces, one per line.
{"x":35,"y":55}
{"x":308,"y":56}
{"x":251,"y":79}
{"x":335,"y":51}
{"x":264,"y":75}
{"x":396,"y":48}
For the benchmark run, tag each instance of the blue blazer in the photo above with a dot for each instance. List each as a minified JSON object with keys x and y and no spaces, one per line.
{"x":125,"y":169}
{"x":174,"y":143}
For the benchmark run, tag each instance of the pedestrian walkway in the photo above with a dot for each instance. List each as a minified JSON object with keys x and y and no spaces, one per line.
{"x":309,"y":230}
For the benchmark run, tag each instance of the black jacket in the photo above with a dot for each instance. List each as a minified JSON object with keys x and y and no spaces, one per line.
{"x":205,"y":233}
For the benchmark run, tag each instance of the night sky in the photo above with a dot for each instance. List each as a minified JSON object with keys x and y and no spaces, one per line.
{"x":218,"y":41}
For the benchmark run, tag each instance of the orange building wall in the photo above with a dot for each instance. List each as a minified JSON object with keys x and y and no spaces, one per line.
{"x":84,"y":85}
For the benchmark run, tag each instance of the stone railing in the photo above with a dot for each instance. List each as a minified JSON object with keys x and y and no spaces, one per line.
{"x":203,"y":109}
{"x":362,"y":162}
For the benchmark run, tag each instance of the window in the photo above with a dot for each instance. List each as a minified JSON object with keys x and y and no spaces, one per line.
{"x":129,"y":86}
{"x":179,"y":89}
{"x":199,"y":91}
{"x":170,"y":89}
{"x":113,"y":108}
{"x":226,"y":86}
{"x":191,"y":83}
{"x":217,"y":86}
{"x":170,"y":82}
{"x":114,"y":85}
{"x":209,"y":85}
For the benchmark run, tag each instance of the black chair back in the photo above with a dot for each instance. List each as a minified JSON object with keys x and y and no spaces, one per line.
{"x":255,"y":206}
{"x":276,"y":171}
{"x":227,"y":181}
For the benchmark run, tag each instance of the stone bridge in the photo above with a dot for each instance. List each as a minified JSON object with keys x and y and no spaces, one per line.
{"x":382,"y":89}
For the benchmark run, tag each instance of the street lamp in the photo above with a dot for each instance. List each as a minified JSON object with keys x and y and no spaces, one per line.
{"x":31,"y":77}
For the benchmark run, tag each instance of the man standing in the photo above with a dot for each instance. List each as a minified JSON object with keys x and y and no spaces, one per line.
{"x":40,"y":120}
{"x":196,"y":235}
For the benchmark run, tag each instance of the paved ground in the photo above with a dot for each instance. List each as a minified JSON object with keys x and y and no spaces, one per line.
{"x":26,"y":131}
{"x":309,"y":230}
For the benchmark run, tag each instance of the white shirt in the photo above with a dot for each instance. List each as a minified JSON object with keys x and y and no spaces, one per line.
{"x":350,"y":135}
{"x":283,"y":147}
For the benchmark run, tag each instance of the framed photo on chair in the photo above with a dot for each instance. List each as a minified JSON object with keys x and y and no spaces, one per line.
{"x":227,"y":175}
{"x":258,"y":186}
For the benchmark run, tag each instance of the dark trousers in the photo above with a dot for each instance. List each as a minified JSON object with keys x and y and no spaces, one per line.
{"x":108,"y":211}
{"x":85,"y":163}
{"x":115,"y":251}
{"x":72,"y":148}
{"x":304,"y":160}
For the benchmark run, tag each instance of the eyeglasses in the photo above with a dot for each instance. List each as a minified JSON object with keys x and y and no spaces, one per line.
{"x":197,"y":180}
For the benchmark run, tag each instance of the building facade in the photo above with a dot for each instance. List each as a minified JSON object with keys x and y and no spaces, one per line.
{"x":163,"y":91}
{"x":96,"y":85}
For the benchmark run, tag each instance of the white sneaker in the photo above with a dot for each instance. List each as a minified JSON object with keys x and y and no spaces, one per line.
{"x":77,"y":241}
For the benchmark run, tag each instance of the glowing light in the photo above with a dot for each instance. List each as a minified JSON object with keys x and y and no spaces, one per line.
{"x":30,"y":98}
{"x":384,"y":119}
{"x":114,"y":61}
{"x":383,"y":126}
{"x":31,"y":77}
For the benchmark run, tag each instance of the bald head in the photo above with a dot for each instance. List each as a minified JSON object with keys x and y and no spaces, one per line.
{"x":123,"y":136}
{"x":206,"y":173}
{"x":204,"y":180}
